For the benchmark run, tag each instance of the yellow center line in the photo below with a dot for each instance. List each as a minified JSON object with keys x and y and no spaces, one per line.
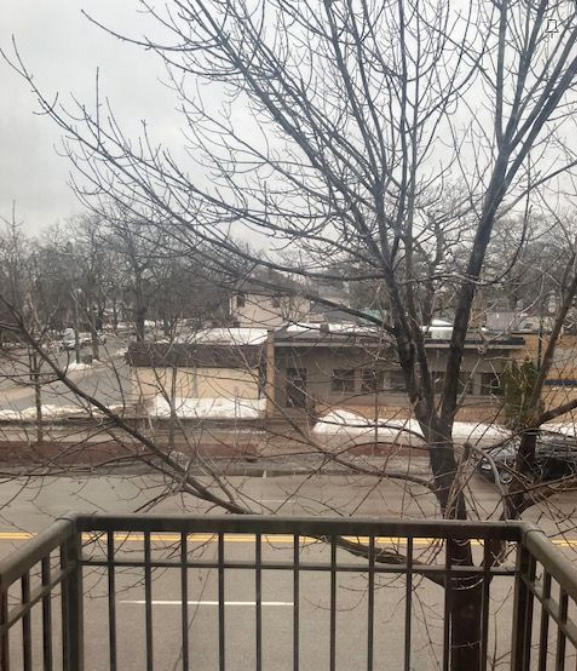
{"x":272,"y":539}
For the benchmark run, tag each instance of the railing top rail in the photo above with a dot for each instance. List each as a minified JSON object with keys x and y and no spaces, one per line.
{"x":559,"y":567}
{"x":29,"y":554}
{"x":304,"y":526}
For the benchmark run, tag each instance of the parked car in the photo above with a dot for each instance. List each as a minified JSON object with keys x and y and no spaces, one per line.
{"x":555,"y":457}
{"x":69,"y":339}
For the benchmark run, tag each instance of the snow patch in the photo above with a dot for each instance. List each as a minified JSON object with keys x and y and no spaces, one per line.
{"x":48,"y":412}
{"x":476,"y":433}
{"x":564,"y":428}
{"x":78,"y":366}
{"x":333,"y":327}
{"x":349,"y":423}
{"x":213,"y":408}
{"x":225,"y":336}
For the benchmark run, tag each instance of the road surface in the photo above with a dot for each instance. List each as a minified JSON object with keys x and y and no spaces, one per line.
{"x":29,"y":505}
{"x":108,"y":380}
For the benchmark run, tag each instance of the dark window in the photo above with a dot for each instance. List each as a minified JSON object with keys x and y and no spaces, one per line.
{"x":343,"y":379}
{"x":276,"y":302}
{"x":438,"y":382}
{"x":491,"y":384}
{"x":396,"y":381}
{"x":465,"y":383}
{"x":240,"y":300}
{"x":296,"y":387}
{"x":373,"y":380}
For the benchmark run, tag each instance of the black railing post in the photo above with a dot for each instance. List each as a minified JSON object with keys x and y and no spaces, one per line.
{"x":72,"y":605}
{"x":4,"y":631}
{"x":522,"y":611}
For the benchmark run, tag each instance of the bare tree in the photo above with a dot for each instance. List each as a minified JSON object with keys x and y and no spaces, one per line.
{"x":359,"y":119}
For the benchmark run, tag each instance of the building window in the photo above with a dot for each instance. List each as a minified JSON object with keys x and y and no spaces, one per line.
{"x":240,"y":300}
{"x":396,"y":381}
{"x":373,"y":381}
{"x":465,"y":383}
{"x":343,"y":379}
{"x":276,"y":302}
{"x":491,"y":384}
{"x":296,"y":387}
{"x":438,"y":382}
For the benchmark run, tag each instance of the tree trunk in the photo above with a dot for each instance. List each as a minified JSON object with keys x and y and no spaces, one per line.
{"x":464,"y":591}
{"x":465,"y":623}
{"x":35,"y":377}
{"x":140,"y":307}
{"x":94,"y":334}
{"x":140,"y":314}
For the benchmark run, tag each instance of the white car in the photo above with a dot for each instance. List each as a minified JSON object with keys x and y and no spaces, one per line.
{"x":69,"y":340}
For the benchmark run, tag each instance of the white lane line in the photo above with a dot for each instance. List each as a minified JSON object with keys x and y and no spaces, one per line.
{"x":210,"y":603}
{"x":277,"y":500}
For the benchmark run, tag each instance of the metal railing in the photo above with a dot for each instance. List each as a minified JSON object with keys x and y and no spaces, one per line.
{"x":155,"y":592}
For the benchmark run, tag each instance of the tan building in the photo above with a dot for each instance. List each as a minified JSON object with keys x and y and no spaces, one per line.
{"x":268,"y":300}
{"x":350,"y":367}
{"x":201,"y":371}
{"x":312,"y":369}
{"x":561,"y":383}
{"x":267,"y":310}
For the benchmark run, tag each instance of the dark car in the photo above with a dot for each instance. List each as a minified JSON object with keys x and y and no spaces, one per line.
{"x":555,"y":457}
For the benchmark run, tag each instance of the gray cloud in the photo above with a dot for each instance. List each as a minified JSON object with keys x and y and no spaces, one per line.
{"x":63,"y":50}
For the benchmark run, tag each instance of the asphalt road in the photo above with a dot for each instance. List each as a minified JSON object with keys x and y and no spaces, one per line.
{"x":28,"y":505}
{"x":108,"y":379}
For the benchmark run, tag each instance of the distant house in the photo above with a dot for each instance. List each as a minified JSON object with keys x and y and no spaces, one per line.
{"x":268,"y":303}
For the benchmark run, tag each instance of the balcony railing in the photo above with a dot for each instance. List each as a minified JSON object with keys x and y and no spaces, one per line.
{"x":156,"y":593}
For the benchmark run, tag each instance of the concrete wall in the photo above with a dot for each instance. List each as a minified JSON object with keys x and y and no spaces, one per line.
{"x":198,"y":383}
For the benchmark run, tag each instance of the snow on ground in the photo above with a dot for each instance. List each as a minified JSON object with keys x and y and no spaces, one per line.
{"x":78,"y":366}
{"x":55,"y":411}
{"x":48,"y":412}
{"x":344,"y":422}
{"x":565,"y":428}
{"x":476,"y":433}
{"x":210,"y":408}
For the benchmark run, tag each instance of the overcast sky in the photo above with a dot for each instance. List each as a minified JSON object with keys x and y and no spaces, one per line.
{"x":63,"y":50}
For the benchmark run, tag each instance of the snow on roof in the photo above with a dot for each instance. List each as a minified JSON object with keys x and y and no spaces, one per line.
{"x":210,"y":408}
{"x":299,"y":327}
{"x":331,"y":327}
{"x":225,"y":336}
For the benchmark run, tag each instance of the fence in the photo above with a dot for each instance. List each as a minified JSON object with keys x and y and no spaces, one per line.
{"x":158,"y":592}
